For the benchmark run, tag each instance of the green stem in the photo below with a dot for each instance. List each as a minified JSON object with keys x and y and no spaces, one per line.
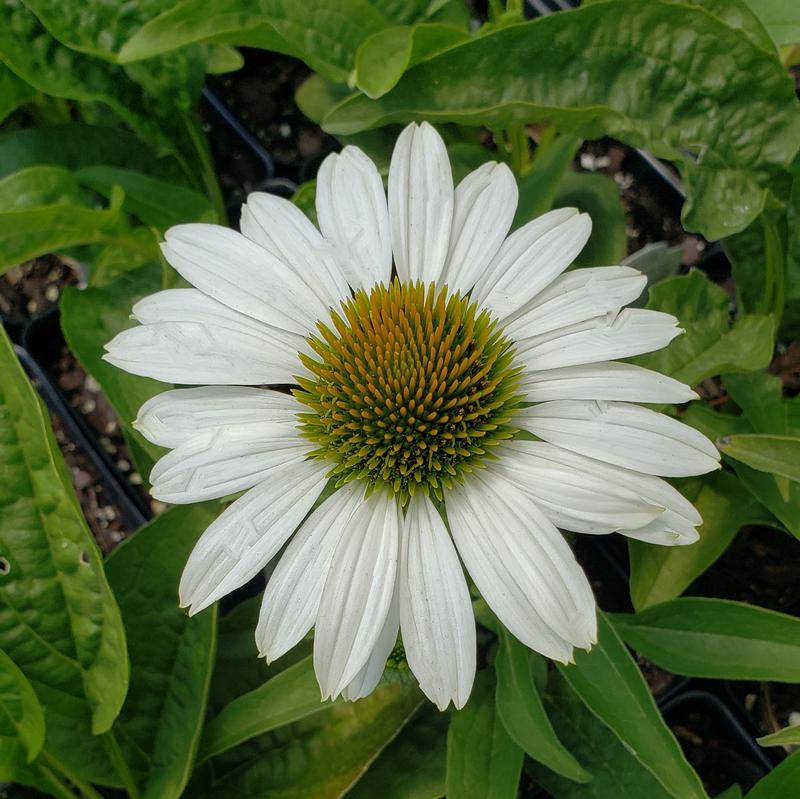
{"x":520,"y":149}
{"x":774,"y":288}
{"x":83,"y":786}
{"x":54,"y":785}
{"x":208,"y":172}
{"x":120,"y":764}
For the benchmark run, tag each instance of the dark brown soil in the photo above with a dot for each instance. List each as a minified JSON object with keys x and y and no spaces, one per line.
{"x":30,"y":289}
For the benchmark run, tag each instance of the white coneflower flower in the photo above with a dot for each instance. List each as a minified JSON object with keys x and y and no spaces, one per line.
{"x":415,"y":389}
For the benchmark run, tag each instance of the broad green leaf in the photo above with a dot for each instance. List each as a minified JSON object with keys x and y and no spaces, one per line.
{"x":76,"y":145}
{"x":58,"y":619}
{"x":716,"y":638}
{"x":382,"y":59}
{"x":538,"y":186}
{"x":13,"y":92}
{"x":93,"y":316}
{"x":413,"y":765}
{"x":404,"y":12}
{"x":483,"y":762}
{"x":785,"y":737}
{"x":598,"y":196}
{"x":47,"y":65}
{"x":523,"y":77}
{"x":765,"y":411}
{"x":783,"y":782}
{"x":21,"y":717}
{"x":321,"y":756}
{"x":656,"y":262}
{"x":615,"y":770}
{"x":610,"y":684}
{"x":315,"y":96}
{"x":324,"y":33}
{"x":739,"y":14}
{"x":781,"y":18}
{"x":155,"y":202}
{"x":792,"y":305}
{"x":773,"y":454}
{"x":42,"y":211}
{"x":733,"y":792}
{"x":709,"y":346}
{"x":171,"y":653}
{"x":291,"y":695}
{"x":662,"y":573}
{"x":522,"y":713}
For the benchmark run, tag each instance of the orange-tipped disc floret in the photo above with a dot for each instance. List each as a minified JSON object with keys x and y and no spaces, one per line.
{"x":411,"y":388}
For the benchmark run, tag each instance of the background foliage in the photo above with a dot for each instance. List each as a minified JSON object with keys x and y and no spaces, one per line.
{"x":104,"y":682}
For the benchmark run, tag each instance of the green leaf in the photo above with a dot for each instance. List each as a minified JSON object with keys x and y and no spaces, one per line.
{"x":716,"y":638}
{"x":738,"y":14}
{"x":788,"y":736}
{"x":661,"y":45}
{"x":610,"y":684}
{"x":781,"y":18}
{"x":733,"y":792}
{"x":171,"y":654}
{"x":324,"y":33}
{"x":13,"y":92}
{"x":765,"y":411}
{"x":322,"y":755}
{"x":662,"y":573}
{"x":615,"y":770}
{"x":291,"y":695}
{"x":21,"y":717}
{"x":223,"y":59}
{"x":598,"y":196}
{"x":58,"y":619}
{"x":773,"y":454}
{"x":483,"y":762}
{"x":76,"y":145}
{"x":413,"y":765}
{"x":522,"y":713}
{"x":709,"y":346}
{"x":93,"y":316}
{"x":47,"y":65}
{"x":538,"y":186}
{"x":155,"y":202}
{"x":382,"y":59}
{"x":40,"y":213}
{"x":783,"y":782}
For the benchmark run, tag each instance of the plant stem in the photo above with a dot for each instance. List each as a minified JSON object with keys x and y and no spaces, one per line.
{"x":520,"y":150}
{"x":120,"y":764}
{"x":774,"y":288}
{"x":54,"y":785}
{"x":80,"y":784}
{"x":208,"y":172}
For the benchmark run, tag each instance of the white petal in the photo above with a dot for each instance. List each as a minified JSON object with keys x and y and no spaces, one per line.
{"x":623,"y":434}
{"x":485,"y":203}
{"x":576,"y":297}
{"x":196,"y":354}
{"x":652,"y":490}
{"x":366,"y":681}
{"x":607,"y":380}
{"x":246,"y":536}
{"x":420,"y":203}
{"x":530,"y":259}
{"x":352,"y":214}
{"x":573,"y":499}
{"x":173,"y":417}
{"x":522,"y":566}
{"x":357,"y":593}
{"x":435,"y":608}
{"x":632,"y":331}
{"x":215,"y":464}
{"x":293,"y":593}
{"x":230,"y":268}
{"x":281,"y":228}
{"x":669,"y":529}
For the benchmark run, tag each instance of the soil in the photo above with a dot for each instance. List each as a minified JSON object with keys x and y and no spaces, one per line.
{"x":30,"y":289}
{"x":716,"y":749}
